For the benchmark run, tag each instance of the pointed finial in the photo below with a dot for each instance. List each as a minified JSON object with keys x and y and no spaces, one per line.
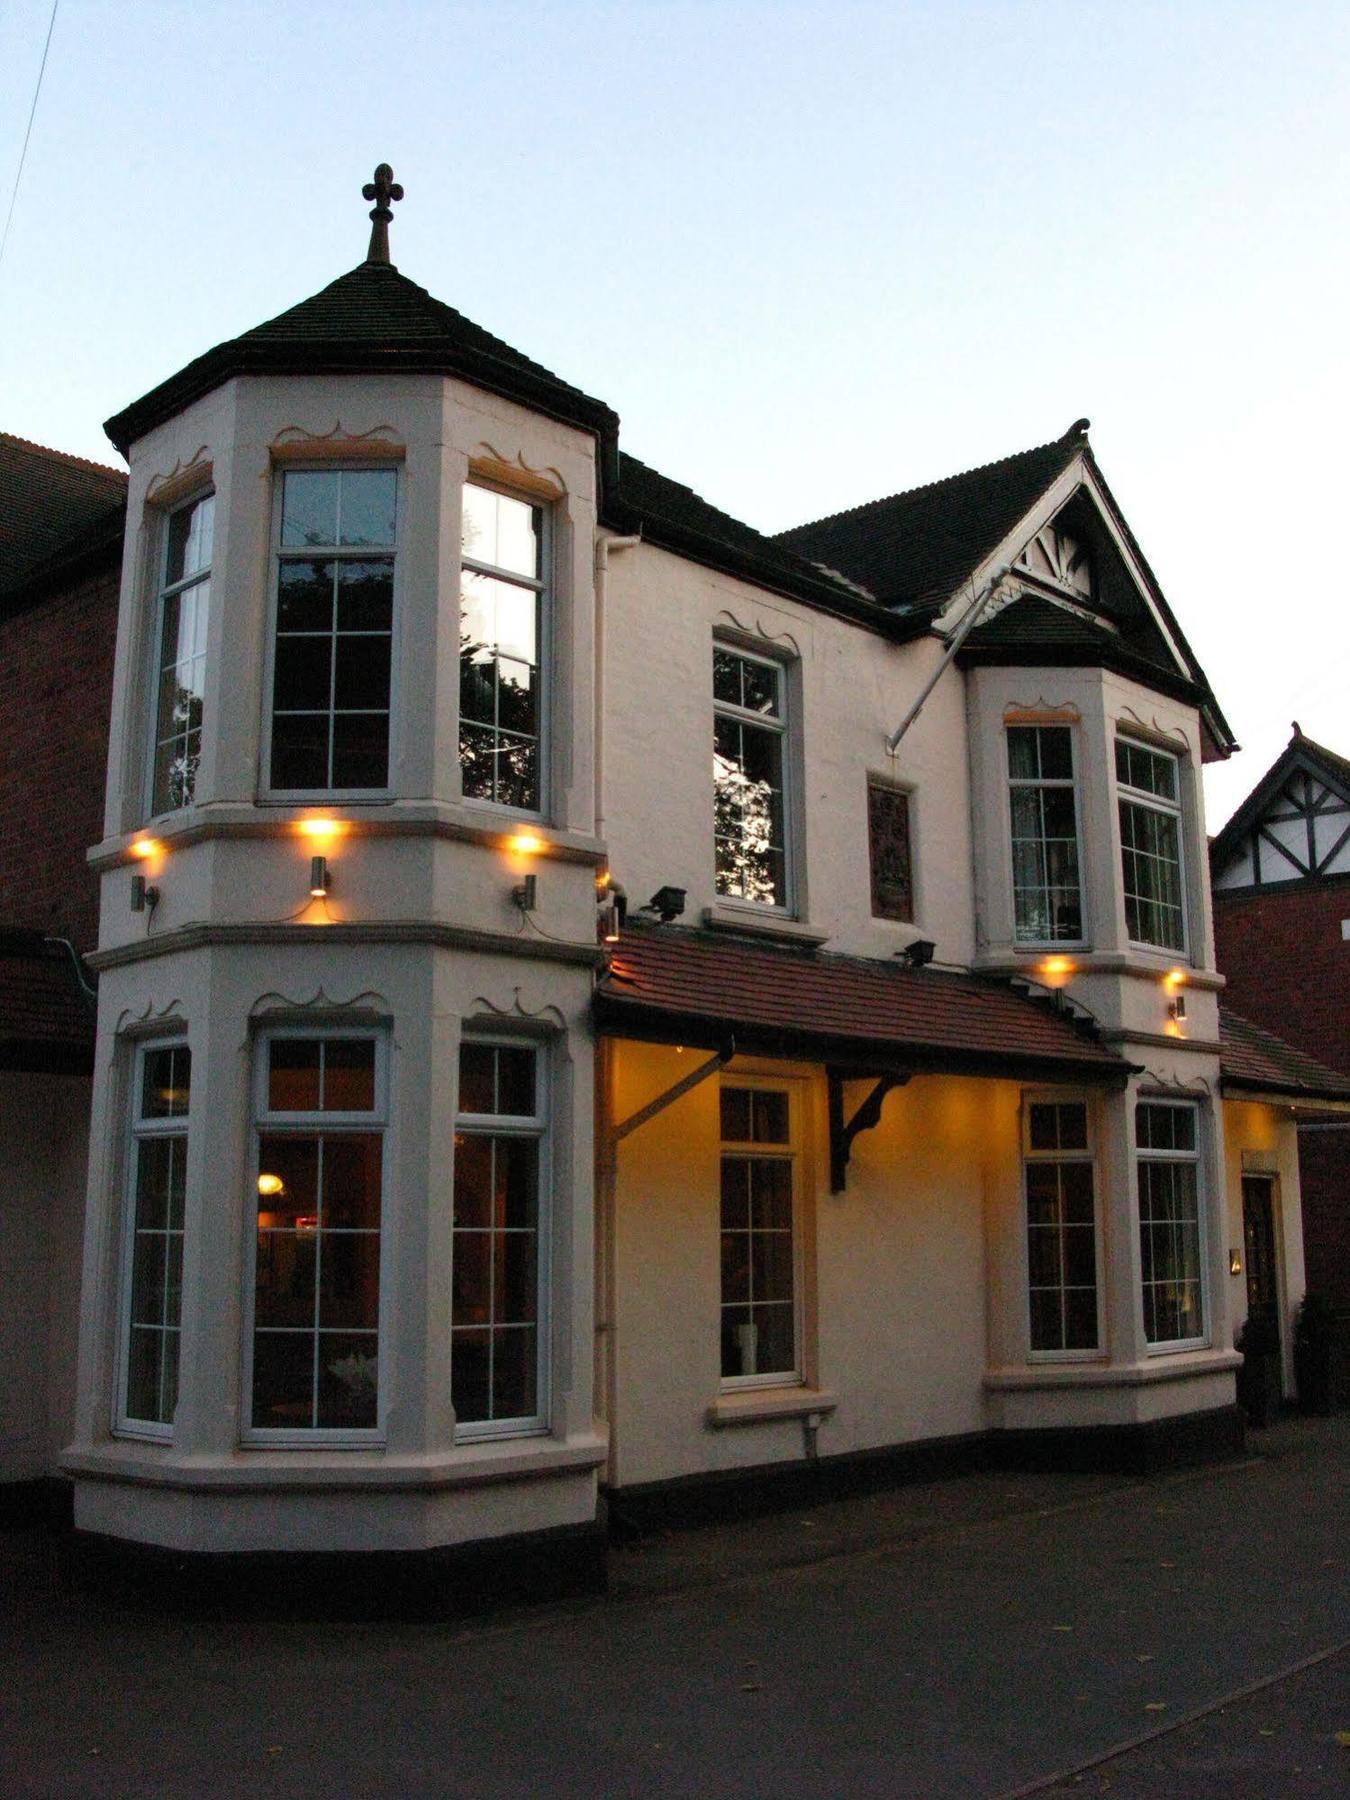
{"x":382,"y":190}
{"x":1079,"y":428}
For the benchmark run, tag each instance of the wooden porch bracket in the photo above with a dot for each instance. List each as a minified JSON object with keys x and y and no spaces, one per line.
{"x":867,"y":1116}
{"x":685,"y":1085}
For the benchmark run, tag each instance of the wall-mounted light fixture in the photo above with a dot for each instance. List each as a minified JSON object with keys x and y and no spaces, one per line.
{"x":320,"y":877}
{"x":144,"y":897}
{"x":1234,"y":1262}
{"x":920,"y":953}
{"x":613,"y":902}
{"x":525,"y":893}
{"x":1176,"y":1007}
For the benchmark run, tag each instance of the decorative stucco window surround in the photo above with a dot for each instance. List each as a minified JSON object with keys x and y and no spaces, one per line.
{"x":506,"y":628}
{"x":330,"y":688}
{"x":315,"y":1305}
{"x":1152,"y":845}
{"x":1063,"y":1229}
{"x":756,"y":831}
{"x":177,"y":652}
{"x":1048,"y":889}
{"x":760,"y":1202}
{"x":503,"y":1223}
{"x":151,"y":1271}
{"x":1173,"y":1223}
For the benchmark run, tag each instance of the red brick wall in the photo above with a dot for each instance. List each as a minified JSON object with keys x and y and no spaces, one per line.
{"x":1287,"y":965}
{"x":56,"y":666}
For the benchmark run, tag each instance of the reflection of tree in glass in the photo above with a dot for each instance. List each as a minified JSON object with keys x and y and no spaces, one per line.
{"x":498,"y":746}
{"x":743,"y":815}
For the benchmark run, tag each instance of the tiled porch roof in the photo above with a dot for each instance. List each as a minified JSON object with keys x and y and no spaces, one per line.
{"x":1256,"y":1061}
{"x":687,"y":986}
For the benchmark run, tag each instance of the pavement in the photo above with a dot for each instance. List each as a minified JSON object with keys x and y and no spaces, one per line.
{"x":990,"y":1636}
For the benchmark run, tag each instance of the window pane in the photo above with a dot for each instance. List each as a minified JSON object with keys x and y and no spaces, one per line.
{"x":283,"y":1380}
{"x":366,"y":500}
{"x":770,"y":1112}
{"x":1044,"y":1127}
{"x":470,"y":1375}
{"x":735,"y":1115}
{"x":735,"y":1264}
{"x":1023,"y":756}
{"x":515,"y":1081}
{"x":759,"y":688}
{"x":515,"y":1281}
{"x":361,"y":750}
{"x":166,"y":1082}
{"x":293,"y":1074}
{"x":288,"y":1181}
{"x":349,"y":1286}
{"x":365,"y":596}
{"x":502,"y":531}
{"x":305,"y":596}
{"x":1056,"y":752}
{"x":472,"y":1277}
{"x":888,"y":843}
{"x":284,"y":1279}
{"x":189,"y":547}
{"x":517,"y":1182}
{"x":348,"y":1075}
{"x":477,"y":1078}
{"x":473,"y":1181}
{"x":735,"y":1193}
{"x":351,"y":1181}
{"x":771,"y":1194}
{"x":775,"y":1351}
{"x":309,"y":499}
{"x":726,"y":677}
{"x":304,"y":674}
{"x":513,"y":1373}
{"x":300,"y":751}
{"x":348,"y":1381}
{"x":361,"y":680}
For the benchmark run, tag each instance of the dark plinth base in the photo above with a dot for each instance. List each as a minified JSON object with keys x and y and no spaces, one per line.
{"x":427,"y":1584}
{"x":1144,"y":1449}
{"x":25,"y":1504}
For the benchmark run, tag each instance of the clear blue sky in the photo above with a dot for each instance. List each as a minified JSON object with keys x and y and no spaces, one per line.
{"x":811,"y":254}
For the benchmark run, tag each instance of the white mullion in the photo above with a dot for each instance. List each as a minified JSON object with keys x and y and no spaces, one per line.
{"x":318,"y":1271}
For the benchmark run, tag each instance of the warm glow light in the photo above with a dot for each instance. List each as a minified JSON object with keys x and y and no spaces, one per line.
{"x":1056,"y":970}
{"x":271,"y":1184}
{"x":144,"y":847}
{"x":324,"y":829}
{"x":525,"y":843}
{"x":1174,"y":978}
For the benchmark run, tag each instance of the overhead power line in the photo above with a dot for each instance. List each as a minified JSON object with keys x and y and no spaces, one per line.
{"x":32,"y":113}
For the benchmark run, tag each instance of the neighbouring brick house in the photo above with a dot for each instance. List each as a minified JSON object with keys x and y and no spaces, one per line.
{"x":61,"y":527}
{"x":427,"y":1192}
{"x":1281,"y":875}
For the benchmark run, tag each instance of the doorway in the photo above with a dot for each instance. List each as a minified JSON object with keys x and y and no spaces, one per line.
{"x":1263,"y":1282}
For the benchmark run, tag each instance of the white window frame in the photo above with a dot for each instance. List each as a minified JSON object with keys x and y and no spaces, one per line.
{"x":165,"y":590}
{"x":537,"y":1125}
{"x":1089,"y":1155}
{"x":138,"y":1130}
{"x":1012,"y":782}
{"x":1193,"y":1158}
{"x":1172,"y":809}
{"x":363,"y":553}
{"x":791,"y":1153}
{"x":784,"y":727}
{"x":302,"y":1124}
{"x":544,"y":589}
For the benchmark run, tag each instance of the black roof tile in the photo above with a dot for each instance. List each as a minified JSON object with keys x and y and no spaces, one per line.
{"x":50,"y":502}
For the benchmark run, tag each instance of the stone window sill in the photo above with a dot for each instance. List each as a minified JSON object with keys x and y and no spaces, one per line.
{"x":750,"y":921}
{"x":753,"y":1406}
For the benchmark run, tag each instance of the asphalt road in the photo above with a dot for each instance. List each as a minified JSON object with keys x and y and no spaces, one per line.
{"x":1009,"y":1650}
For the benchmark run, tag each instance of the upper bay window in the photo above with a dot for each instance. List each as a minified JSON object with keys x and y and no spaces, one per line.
{"x":180,"y":653}
{"x":314,"y":1338}
{"x":503,"y":606}
{"x":1047,"y":868}
{"x":750,"y":826}
{"x":1150,"y":845}
{"x":334,"y":631}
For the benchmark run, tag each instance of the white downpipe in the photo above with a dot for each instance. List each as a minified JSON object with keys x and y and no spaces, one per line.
{"x":954,"y":643}
{"x":604,"y":548}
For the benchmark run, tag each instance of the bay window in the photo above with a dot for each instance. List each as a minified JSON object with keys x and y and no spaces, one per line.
{"x":1061,"y":1227}
{"x":334,"y":629}
{"x":321,"y":1114}
{"x":750,"y":823}
{"x":1150,"y":845}
{"x":1047,"y":876}
{"x":152,"y":1254}
{"x":499,"y":1320}
{"x":1171,"y":1224}
{"x":759,"y":1238}
{"x":503,"y":606}
{"x":182,"y":611}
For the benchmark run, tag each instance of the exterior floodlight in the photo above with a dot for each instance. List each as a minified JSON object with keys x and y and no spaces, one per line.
{"x":667,"y":903}
{"x":919,"y":953}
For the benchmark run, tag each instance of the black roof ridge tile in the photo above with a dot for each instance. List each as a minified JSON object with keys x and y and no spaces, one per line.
{"x":117,"y":477}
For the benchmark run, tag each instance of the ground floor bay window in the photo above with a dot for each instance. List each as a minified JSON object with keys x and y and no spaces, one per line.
{"x":1171,"y":1223}
{"x":498,"y":1366}
{"x":321,"y":1111}
{"x":1061,"y":1228}
{"x":152,"y":1258}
